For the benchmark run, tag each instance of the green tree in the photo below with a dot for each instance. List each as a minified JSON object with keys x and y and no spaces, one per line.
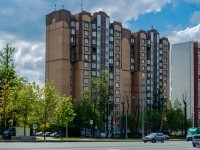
{"x":64,"y":112}
{"x":47,"y":103}
{"x":7,"y":76}
{"x":25,"y":104}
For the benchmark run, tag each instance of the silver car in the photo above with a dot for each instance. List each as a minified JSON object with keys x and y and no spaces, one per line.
{"x":196,"y":140}
{"x":153,"y":137}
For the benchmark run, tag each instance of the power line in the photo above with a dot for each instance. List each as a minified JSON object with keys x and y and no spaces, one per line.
{"x":190,"y":5}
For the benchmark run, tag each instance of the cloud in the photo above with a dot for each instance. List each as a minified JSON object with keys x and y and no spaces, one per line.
{"x":195,"y":19}
{"x":188,"y":34}
{"x":28,"y":58}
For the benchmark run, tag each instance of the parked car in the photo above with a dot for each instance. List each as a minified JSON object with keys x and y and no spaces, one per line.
{"x":196,"y":140}
{"x":153,"y":137}
{"x":47,"y":134}
{"x":38,"y":133}
{"x":60,"y":135}
{"x":167,"y":137}
{"x":54,"y":134}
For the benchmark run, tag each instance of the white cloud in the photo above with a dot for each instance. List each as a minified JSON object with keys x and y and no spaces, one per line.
{"x":28,"y":58}
{"x":195,"y":19}
{"x":188,"y":34}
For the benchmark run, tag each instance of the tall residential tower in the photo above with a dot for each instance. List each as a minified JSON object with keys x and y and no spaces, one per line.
{"x":80,"y":46}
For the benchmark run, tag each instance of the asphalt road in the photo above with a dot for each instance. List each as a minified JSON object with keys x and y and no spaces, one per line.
{"x":168,"y":145}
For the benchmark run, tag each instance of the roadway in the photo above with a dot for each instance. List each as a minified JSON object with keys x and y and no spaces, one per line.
{"x":167,"y":145}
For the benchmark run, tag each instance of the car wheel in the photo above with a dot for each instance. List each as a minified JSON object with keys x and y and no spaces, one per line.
{"x":194,"y":145}
{"x":162,"y":140}
{"x":145,"y":141}
{"x":153,"y":141}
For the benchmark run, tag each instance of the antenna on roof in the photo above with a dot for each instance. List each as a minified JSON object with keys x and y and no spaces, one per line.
{"x":151,"y":26}
{"x":81,"y":7}
{"x":63,"y":6}
{"x":55,"y":6}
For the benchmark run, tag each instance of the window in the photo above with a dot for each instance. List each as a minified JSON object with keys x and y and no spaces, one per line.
{"x":72,"y":31}
{"x":94,"y":57}
{"x":111,"y":61}
{"x":143,"y":41}
{"x":111,"y":46}
{"x":111,"y":53}
{"x":86,"y":49}
{"x":94,"y":34}
{"x":111,"y":38}
{"x":93,"y":26}
{"x":117,"y":70}
{"x":117,"y":114}
{"x":117,"y":48}
{"x":117,"y":99}
{"x":143,"y":68}
{"x":72,"y":23}
{"x":117,"y":77}
{"x":86,"y":65}
{"x":71,"y":39}
{"x":85,"y":88}
{"x":132,"y":60}
{"x":93,"y":41}
{"x":143,"y":54}
{"x":86,"y":32}
{"x":132,"y":40}
{"x":165,"y":60}
{"x":117,"y":55}
{"x":86,"y":57}
{"x":160,"y":45}
{"x":117,"y":33}
{"x":86,"y":41}
{"x":86,"y":25}
{"x":86,"y":72}
{"x":143,"y":48}
{"x":117,"y":106}
{"x":94,"y":73}
{"x":165,"y":71}
{"x":117,"y":84}
{"x":117,"y":92}
{"x":117,"y":63}
{"x":117,"y":41}
{"x":85,"y":80}
{"x":143,"y":61}
{"x":165,"y":66}
{"x":94,"y":65}
{"x":143,"y":74}
{"x":111,"y":31}
{"x":132,"y":67}
{"x":165,"y":47}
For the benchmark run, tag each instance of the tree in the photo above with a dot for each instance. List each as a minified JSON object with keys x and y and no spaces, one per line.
{"x":25,"y":104}
{"x":7,"y":76}
{"x":64,"y":112}
{"x":47,"y":103}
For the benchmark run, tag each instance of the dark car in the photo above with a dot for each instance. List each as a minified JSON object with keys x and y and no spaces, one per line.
{"x":60,"y":135}
{"x":196,"y":140}
{"x":54,"y":134}
{"x":167,"y":137}
{"x":153,"y":137}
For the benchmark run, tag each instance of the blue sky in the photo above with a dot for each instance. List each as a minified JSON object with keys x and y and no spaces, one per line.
{"x":22,"y":24}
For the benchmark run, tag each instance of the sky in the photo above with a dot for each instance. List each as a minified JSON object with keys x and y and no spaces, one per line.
{"x":23,"y":22}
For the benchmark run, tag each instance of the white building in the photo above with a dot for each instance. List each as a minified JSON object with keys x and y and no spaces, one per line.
{"x":185,"y":74}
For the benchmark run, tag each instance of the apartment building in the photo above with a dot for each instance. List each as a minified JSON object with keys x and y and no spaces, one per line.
{"x":185,"y":77}
{"x":80,"y":46}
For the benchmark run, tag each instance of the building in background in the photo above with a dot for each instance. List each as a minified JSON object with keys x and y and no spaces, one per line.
{"x":80,"y":46}
{"x":185,"y":77}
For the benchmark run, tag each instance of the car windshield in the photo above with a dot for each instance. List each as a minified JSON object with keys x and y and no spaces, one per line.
{"x":191,"y":133}
{"x":196,"y":137}
{"x":152,"y":134}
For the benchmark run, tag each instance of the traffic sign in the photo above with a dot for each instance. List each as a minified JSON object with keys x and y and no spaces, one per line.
{"x":34,"y":126}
